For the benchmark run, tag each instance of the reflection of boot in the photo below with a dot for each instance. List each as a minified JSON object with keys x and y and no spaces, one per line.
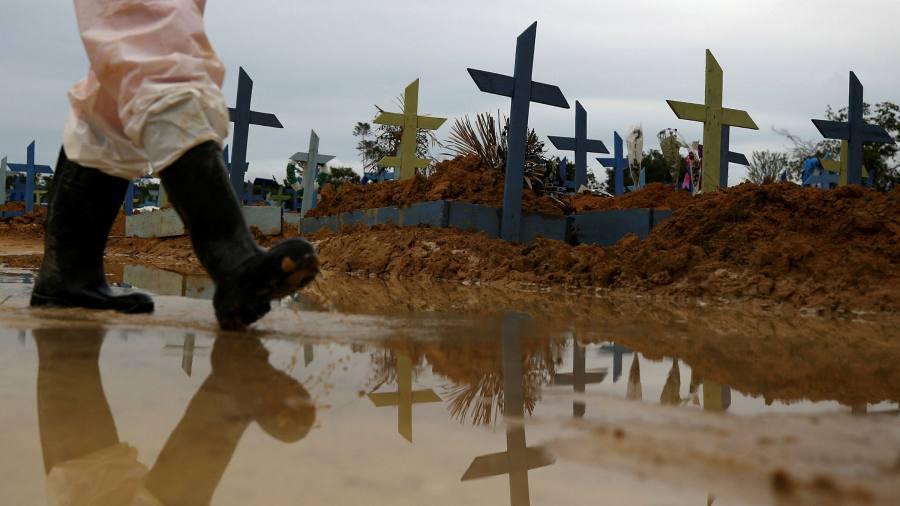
{"x":73,"y":415}
{"x":276,"y":401}
{"x":242,"y":387}
{"x":246,"y":277}
{"x":83,"y":204}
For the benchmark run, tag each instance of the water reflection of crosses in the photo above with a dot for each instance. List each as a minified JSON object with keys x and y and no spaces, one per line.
{"x":407,"y":162}
{"x":518,"y":458}
{"x":243,"y":117}
{"x":30,"y":170}
{"x":404,"y":397}
{"x":618,"y":163}
{"x":313,"y":159}
{"x":187,"y":352}
{"x":308,"y":355}
{"x":522,"y":90}
{"x":579,"y":378}
{"x":617,"y":351}
{"x":714,"y":117}
{"x":855,"y":131}
{"x":580,"y":144}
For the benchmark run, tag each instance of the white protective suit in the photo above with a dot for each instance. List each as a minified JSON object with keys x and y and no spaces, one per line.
{"x":154,"y":87}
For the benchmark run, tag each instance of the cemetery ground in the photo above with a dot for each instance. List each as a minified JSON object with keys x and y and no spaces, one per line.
{"x":745,"y":352}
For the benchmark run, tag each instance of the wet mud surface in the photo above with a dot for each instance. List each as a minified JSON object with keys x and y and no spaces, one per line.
{"x":400,"y":392}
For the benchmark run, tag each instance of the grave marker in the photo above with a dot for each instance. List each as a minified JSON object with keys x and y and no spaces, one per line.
{"x":30,"y":170}
{"x":618,"y":351}
{"x":839,"y":166}
{"x":243,"y":117}
{"x":407,"y":162}
{"x":580,"y":144}
{"x":2,"y":181}
{"x":714,"y":117}
{"x":618,"y":163}
{"x":518,"y":459}
{"x":308,"y":355}
{"x":187,"y":352}
{"x":579,"y":378}
{"x":855,"y":131}
{"x":728,"y":157}
{"x":313,"y":159}
{"x":404,"y":397}
{"x":522,"y":90}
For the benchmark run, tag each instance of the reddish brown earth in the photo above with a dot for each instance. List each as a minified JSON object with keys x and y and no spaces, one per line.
{"x":465,"y":179}
{"x":832,"y":249}
{"x":462,"y":179}
{"x":838,"y":250}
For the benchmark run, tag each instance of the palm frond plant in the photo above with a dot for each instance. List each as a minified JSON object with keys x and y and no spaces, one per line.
{"x":488,"y":141}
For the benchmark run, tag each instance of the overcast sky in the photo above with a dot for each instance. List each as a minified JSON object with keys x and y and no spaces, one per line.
{"x":323,"y":65}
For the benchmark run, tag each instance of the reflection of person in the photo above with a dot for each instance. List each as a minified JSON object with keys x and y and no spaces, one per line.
{"x":153,"y":99}
{"x":87,"y":464}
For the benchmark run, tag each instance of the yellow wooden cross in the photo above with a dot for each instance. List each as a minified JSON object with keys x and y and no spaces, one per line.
{"x":713,"y":116}
{"x":407,"y":162}
{"x":840,"y":166}
{"x":404,"y":397}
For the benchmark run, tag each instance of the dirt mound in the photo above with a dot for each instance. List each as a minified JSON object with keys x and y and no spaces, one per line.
{"x":27,"y":225}
{"x":834,"y":249}
{"x":463,"y":179}
{"x":654,"y":195}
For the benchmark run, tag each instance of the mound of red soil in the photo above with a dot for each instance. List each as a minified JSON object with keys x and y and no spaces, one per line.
{"x":834,"y":249}
{"x":462,"y":179}
{"x":27,"y":225}
{"x":654,"y":195}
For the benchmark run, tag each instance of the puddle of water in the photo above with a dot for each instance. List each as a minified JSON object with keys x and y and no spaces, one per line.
{"x":445,"y":408}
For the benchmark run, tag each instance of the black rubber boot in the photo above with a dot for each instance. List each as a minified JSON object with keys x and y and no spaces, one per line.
{"x":247,"y":278}
{"x":82,"y":206}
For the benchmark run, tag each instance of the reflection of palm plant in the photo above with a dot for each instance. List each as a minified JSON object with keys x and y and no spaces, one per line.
{"x":483,"y":402}
{"x":488,"y":141}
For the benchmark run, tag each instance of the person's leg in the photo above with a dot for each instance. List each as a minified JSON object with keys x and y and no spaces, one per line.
{"x":247,"y":278}
{"x":82,"y":205}
{"x":155,"y":90}
{"x":242,"y":387}
{"x":73,"y":414}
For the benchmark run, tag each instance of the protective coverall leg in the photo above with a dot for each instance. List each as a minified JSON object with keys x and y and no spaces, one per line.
{"x":152,"y":101}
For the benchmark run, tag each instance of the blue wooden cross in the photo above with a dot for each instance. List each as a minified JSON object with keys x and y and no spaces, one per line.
{"x":129,"y":199}
{"x":580,"y":144}
{"x":855,"y":131}
{"x":728,"y":156}
{"x":30,"y":170}
{"x":243,"y":117}
{"x":618,"y":163}
{"x":2,"y":181}
{"x":522,"y":90}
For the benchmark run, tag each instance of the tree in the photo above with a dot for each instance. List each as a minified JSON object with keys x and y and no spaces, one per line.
{"x":765,"y":166}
